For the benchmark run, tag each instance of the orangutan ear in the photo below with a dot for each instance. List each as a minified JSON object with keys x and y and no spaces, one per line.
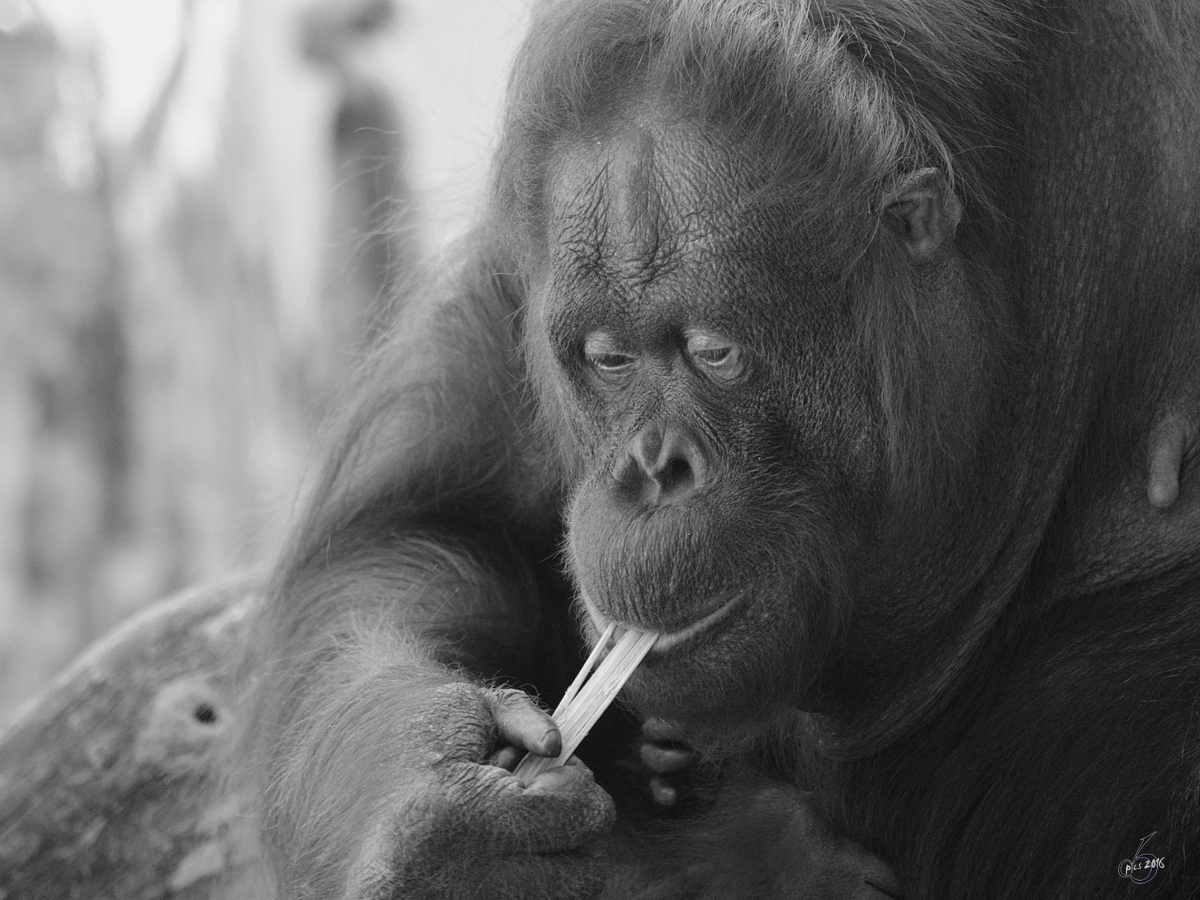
{"x":923,"y":214}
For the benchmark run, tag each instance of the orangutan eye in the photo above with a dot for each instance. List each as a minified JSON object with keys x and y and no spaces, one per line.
{"x":713,"y":356}
{"x":604,"y":354}
{"x":715,"y":353}
{"x":611,"y":361}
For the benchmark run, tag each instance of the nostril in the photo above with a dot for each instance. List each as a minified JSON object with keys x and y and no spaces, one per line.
{"x":679,"y":470}
{"x":676,"y":477}
{"x":662,"y":465}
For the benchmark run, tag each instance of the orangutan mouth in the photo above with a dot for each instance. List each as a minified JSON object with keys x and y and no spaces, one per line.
{"x":668,"y":640}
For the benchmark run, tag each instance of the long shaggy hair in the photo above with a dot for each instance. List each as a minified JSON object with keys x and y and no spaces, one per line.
{"x":895,"y":86}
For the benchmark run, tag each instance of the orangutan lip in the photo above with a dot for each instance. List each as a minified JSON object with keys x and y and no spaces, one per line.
{"x":669,"y":640}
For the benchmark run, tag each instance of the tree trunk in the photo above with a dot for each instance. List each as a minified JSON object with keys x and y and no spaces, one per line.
{"x":110,"y":781}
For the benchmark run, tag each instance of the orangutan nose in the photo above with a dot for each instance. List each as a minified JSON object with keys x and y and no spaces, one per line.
{"x":665,"y":464}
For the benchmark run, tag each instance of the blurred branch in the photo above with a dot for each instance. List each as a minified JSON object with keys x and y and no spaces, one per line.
{"x":144,"y":146}
{"x":178,"y":308}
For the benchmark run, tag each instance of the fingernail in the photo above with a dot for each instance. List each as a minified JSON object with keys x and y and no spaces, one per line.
{"x":553,"y":779}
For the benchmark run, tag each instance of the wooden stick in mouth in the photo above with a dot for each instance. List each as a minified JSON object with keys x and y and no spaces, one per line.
{"x":587,"y":698}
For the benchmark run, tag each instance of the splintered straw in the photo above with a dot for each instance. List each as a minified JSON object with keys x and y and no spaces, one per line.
{"x":584,"y":703}
{"x":602,"y":688}
{"x":588,"y":665}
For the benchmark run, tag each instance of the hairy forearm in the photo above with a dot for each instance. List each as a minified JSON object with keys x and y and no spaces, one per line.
{"x":464,"y":599}
{"x":342,"y":760}
{"x":361,"y":652}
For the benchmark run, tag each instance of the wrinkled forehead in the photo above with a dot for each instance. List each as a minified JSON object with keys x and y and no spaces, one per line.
{"x":662,"y":225}
{"x":643,"y":199}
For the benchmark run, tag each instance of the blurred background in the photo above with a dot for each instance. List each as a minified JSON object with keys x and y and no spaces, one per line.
{"x":203,"y":207}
